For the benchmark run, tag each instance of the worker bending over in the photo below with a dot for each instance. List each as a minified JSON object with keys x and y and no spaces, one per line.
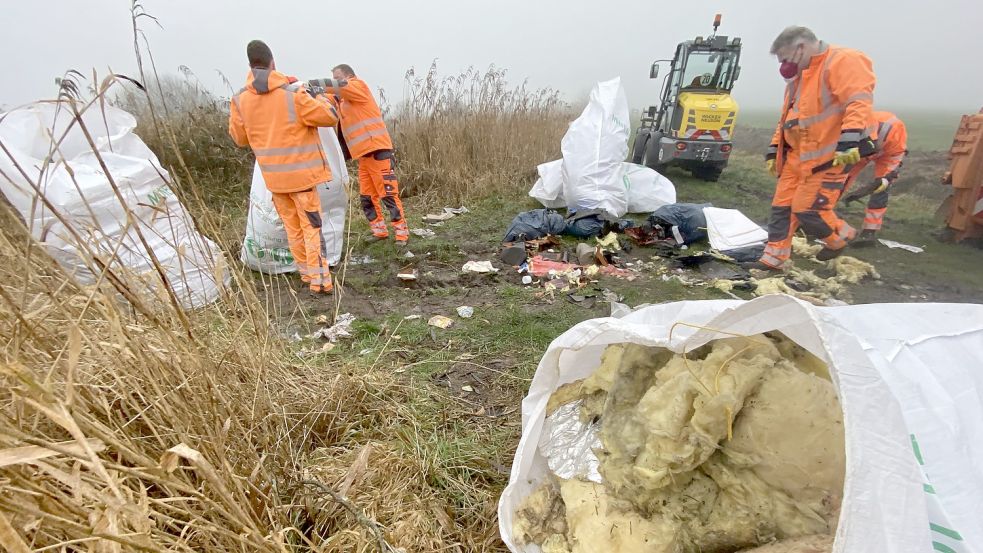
{"x":823,"y":132}
{"x":892,"y":146}
{"x":366,"y":138}
{"x":279,"y":121}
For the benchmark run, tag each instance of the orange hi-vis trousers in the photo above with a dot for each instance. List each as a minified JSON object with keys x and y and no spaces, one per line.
{"x":806,"y":201}
{"x":378,"y":187}
{"x":301,"y":215}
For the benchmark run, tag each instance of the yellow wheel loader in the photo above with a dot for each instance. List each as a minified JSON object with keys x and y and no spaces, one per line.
{"x":693,"y":126}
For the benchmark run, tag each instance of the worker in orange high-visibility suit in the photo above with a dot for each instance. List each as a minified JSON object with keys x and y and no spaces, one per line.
{"x":891,"y":149}
{"x":824,"y":131}
{"x":365,"y":135}
{"x":279,"y":120}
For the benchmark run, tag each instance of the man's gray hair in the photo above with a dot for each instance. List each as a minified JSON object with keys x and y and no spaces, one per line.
{"x":793,"y":36}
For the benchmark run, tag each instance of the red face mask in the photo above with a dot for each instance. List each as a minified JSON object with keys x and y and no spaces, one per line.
{"x":788,"y":69}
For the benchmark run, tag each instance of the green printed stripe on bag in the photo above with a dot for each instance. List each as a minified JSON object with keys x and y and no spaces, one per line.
{"x":942,"y":547}
{"x":945,"y":532}
{"x":928,"y":488}
{"x":918,"y":452}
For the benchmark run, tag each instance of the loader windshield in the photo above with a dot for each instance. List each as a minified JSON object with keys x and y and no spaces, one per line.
{"x":709,"y":70}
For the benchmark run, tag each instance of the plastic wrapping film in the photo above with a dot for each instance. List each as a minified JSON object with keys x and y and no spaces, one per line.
{"x":568,"y":444}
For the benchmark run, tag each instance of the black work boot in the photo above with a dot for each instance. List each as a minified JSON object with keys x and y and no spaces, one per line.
{"x":826,"y":254}
{"x":866,"y":239}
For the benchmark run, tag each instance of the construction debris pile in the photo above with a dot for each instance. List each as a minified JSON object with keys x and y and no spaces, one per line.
{"x":661,"y":452}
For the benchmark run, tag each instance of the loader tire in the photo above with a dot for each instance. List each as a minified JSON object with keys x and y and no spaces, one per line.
{"x":651,"y":158}
{"x":638,"y":149}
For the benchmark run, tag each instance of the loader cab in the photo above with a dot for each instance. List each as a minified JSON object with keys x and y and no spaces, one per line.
{"x":701,"y":66}
{"x":693,"y":123}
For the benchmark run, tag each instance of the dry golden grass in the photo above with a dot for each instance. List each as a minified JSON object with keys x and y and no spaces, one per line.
{"x":474,"y":135}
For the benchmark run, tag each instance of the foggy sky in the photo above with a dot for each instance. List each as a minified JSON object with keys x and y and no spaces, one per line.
{"x":925,"y":53}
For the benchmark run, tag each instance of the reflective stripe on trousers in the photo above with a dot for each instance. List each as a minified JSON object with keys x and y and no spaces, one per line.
{"x":874,"y":218}
{"x":774,"y":256}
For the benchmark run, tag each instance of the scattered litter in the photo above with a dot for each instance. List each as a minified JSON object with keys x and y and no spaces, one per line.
{"x":321,"y":320}
{"x":810,"y":287}
{"x":480,"y":267}
{"x":447,"y":214}
{"x":747,"y":254}
{"x":685,"y":222}
{"x":514,"y":254}
{"x":648,"y":235}
{"x":898,"y":245}
{"x":611,"y":297}
{"x":801,"y":246}
{"x":437,"y":217}
{"x":526,"y":279}
{"x":540,"y":266}
{"x":468,"y":389}
{"x":407,"y":274}
{"x":609,"y":242}
{"x":465,"y":311}
{"x":586,"y":254}
{"x":412,"y":318}
{"x":423,"y":232}
{"x":440,"y":321}
{"x":723,"y":285}
{"x":852,"y":270}
{"x":730,"y":229}
{"x":365,"y":351}
{"x":340,"y":329}
{"x":588,"y":223}
{"x":328,"y":346}
{"x":409,"y":255}
{"x":360,"y":260}
{"x":535,"y":224}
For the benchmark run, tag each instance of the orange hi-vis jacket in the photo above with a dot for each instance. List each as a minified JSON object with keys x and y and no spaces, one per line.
{"x":829,"y":102}
{"x":361,"y":119}
{"x":892,"y":145}
{"x":279,"y":121}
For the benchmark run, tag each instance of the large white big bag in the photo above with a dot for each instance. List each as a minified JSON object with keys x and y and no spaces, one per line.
{"x":645,"y":188}
{"x":264,"y":247}
{"x":549,"y":187}
{"x":910,"y":382}
{"x":94,"y":220}
{"x":593,"y":149}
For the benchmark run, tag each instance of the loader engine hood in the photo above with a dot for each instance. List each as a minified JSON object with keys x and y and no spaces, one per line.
{"x":707,"y":116}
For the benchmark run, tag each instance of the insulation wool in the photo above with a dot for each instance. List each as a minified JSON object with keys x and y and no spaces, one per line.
{"x":735,"y":445}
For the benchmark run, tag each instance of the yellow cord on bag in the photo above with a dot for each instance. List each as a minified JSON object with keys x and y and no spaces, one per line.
{"x":716,"y":379}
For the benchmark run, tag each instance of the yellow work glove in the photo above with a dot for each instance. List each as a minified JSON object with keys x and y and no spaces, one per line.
{"x":883,"y":186}
{"x":772,"y":167}
{"x":846,"y":157}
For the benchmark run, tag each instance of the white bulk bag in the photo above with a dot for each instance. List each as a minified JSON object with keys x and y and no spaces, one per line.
{"x":264,"y":247}
{"x":93,"y":217}
{"x":646,"y":188}
{"x":549,"y":188}
{"x":909,"y":380}
{"x":593,"y":149}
